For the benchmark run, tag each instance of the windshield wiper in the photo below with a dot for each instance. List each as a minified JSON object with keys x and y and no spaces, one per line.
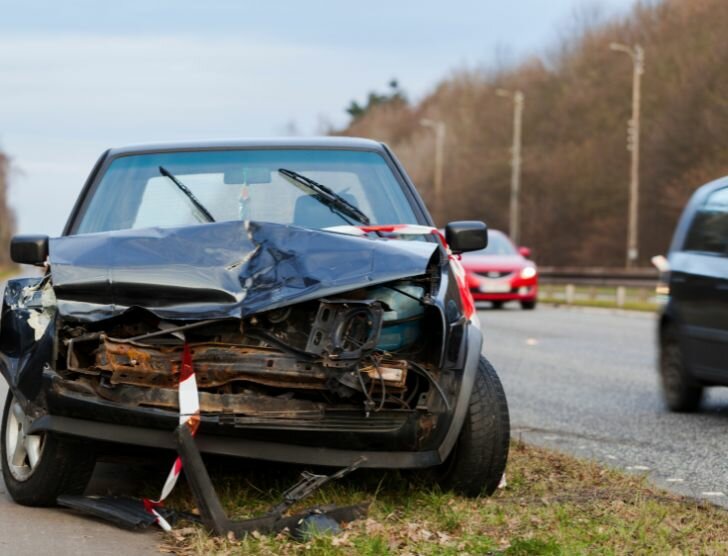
{"x":327,"y":197}
{"x":186,"y":190}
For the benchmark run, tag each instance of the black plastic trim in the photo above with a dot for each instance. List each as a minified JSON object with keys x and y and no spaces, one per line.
{"x":231,"y":446}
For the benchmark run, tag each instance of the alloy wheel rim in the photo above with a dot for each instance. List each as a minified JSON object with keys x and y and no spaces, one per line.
{"x":23,"y":451}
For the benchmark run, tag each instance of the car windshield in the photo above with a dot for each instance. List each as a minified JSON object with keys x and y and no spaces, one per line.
{"x":242,"y":185}
{"x":498,"y":244}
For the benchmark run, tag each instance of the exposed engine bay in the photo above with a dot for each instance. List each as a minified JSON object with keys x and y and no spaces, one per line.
{"x":368,"y":350}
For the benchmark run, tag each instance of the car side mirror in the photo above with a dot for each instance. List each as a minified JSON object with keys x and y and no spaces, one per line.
{"x":525,"y":252}
{"x":29,"y":249}
{"x":466,"y":235}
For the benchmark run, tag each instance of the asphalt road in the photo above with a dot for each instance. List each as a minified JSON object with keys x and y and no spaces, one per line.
{"x":583,"y":381}
{"x":32,"y":531}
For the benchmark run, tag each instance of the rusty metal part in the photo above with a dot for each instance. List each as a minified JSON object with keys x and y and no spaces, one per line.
{"x":392,"y":372}
{"x":215,"y":365}
{"x":244,"y":410}
{"x":427,"y":424}
{"x":245,"y":403}
{"x":73,"y":363}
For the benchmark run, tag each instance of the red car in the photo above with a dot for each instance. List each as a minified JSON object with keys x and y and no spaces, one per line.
{"x":501,"y":272}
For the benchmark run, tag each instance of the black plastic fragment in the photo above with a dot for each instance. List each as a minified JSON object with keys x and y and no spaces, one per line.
{"x":128,"y":513}
{"x":213,"y":515}
{"x":315,"y":524}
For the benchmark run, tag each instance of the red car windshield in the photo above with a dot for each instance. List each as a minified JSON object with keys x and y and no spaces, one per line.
{"x":498,"y":244}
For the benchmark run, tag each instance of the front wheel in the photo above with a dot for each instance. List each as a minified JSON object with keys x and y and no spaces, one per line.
{"x":528,"y":304}
{"x":37,"y":468}
{"x":478,"y":460}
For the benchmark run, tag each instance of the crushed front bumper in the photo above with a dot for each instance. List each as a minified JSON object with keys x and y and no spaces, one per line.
{"x":386,"y":441}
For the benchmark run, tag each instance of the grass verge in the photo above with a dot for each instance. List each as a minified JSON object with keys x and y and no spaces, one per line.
{"x":553,"y":504}
{"x":635,"y":299}
{"x":628,"y":305}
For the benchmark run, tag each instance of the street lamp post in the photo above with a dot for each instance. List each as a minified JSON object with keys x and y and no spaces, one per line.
{"x":514,"y":218}
{"x":633,"y":146}
{"x":440,"y":129}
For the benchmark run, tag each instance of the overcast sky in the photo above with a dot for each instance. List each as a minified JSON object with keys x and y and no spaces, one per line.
{"x":79,"y":76}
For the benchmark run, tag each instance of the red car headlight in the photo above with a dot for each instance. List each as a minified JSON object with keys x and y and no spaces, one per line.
{"x":528,"y":272}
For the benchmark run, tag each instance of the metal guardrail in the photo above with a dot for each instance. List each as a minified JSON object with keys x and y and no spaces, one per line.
{"x":599,"y":276}
{"x":595,"y":285}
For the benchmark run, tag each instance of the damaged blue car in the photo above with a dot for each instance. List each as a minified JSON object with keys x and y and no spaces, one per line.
{"x":328,"y":321}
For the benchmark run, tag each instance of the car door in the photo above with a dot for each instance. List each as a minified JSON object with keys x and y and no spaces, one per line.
{"x":700,"y":285}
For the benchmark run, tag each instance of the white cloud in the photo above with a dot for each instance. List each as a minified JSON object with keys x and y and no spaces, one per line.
{"x":65,"y":99}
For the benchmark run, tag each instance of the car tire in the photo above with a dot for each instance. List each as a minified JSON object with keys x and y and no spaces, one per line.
{"x":62,"y":465}
{"x":528,"y":305}
{"x":679,"y":390}
{"x":477,"y":462}
{"x":497,"y":304}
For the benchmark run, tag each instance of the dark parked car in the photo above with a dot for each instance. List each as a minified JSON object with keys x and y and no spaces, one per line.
{"x":693,"y":329}
{"x":502,"y":272}
{"x":326,"y":319}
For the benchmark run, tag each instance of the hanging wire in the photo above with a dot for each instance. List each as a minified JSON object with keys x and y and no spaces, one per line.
{"x":434,"y":383}
{"x":381,"y":381}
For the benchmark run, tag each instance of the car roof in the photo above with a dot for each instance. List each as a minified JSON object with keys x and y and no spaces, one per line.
{"x":347,"y":143}
{"x":711,"y":186}
{"x":698,"y":197}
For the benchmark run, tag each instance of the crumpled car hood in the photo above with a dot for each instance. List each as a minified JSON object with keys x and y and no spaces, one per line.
{"x":219,"y":270}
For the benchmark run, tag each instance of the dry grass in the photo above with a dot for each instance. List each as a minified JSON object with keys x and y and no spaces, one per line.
{"x":553,"y":504}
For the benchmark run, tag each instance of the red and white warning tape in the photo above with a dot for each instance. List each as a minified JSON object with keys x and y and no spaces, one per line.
{"x":189,"y":414}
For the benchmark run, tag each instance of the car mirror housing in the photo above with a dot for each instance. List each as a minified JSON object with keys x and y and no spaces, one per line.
{"x":29,"y":249}
{"x":525,"y":252}
{"x":466,"y":235}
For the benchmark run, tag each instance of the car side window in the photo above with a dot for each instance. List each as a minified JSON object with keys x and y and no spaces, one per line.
{"x":709,"y":230}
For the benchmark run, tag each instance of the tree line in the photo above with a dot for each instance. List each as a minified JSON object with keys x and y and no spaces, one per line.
{"x":7,"y":217}
{"x":575,"y":172}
